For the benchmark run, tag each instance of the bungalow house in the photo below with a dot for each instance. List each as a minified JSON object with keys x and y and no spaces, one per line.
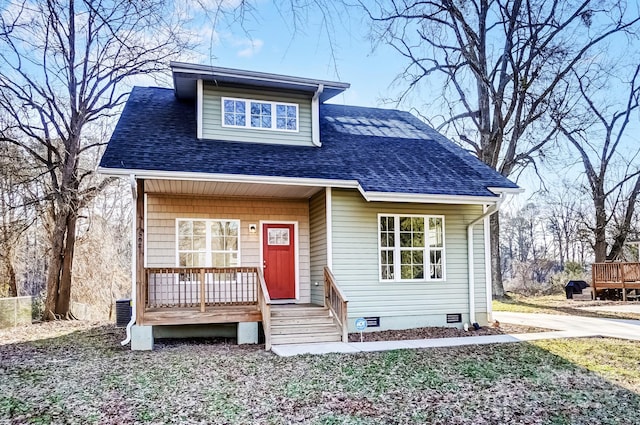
{"x":260,"y":206}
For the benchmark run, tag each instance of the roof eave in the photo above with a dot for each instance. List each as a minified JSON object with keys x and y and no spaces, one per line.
{"x":185,"y":76}
{"x":369,"y":196}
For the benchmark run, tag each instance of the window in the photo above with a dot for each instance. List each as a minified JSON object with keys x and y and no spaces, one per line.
{"x":411,"y":247}
{"x":208,"y":243}
{"x":261,"y":114}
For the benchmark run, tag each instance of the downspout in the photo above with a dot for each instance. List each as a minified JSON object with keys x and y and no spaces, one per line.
{"x":472,"y":282}
{"x":315,"y":116}
{"x":134,"y":239}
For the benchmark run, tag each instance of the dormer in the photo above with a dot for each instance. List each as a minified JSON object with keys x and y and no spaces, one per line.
{"x":255,"y":107}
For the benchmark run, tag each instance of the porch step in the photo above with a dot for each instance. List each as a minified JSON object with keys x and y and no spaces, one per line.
{"x":302,"y":329}
{"x":305,"y":338}
{"x":295,"y":324}
{"x":295,"y":311}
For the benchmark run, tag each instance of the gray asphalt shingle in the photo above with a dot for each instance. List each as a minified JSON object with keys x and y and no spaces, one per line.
{"x":385,"y":150}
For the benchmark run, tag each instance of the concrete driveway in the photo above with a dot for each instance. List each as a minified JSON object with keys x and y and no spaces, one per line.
{"x":614,"y":328}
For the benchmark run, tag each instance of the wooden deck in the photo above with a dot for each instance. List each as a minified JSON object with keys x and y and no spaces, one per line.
{"x":193,"y":315}
{"x":616,"y":275}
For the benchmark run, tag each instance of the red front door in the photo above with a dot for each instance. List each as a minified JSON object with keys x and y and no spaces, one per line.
{"x":279,"y":260}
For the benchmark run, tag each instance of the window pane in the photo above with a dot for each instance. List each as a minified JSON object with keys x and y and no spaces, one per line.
{"x":185,"y":243}
{"x":266,"y":109}
{"x":436,"y":264}
{"x":231,"y":243}
{"x":199,"y":228}
{"x":405,"y":224}
{"x":184,"y":260}
{"x":291,"y":124}
{"x":199,"y":243}
{"x":255,"y":121}
{"x":281,"y":110}
{"x":405,"y":257}
{"x":281,"y":123}
{"x":229,"y":106}
{"x":240,"y":120}
{"x":218,"y":259}
{"x":255,"y":108}
{"x":266,"y":122}
{"x":417,"y":224}
{"x":405,"y":240}
{"x":232,"y":228}
{"x":291,"y":111}
{"x":217,"y":243}
{"x":418,"y":240}
{"x":435,"y":231}
{"x":185,"y":228}
{"x":216,"y":228}
{"x":240,"y":109}
{"x":418,"y":257}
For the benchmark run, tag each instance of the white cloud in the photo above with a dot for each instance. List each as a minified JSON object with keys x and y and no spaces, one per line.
{"x":251,"y":47}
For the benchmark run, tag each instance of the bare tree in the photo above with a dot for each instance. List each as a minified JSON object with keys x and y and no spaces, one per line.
{"x":598,"y":130}
{"x":496,"y":68}
{"x":63,"y":66}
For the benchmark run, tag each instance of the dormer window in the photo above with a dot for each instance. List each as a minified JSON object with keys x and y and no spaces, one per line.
{"x":259,"y":114}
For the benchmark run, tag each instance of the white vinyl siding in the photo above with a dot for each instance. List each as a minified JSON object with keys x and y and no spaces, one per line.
{"x":212,"y":113}
{"x":356,"y":263}
{"x":318,"y":229}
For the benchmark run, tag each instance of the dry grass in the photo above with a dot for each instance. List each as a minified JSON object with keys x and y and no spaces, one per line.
{"x":78,"y":373}
{"x":558,"y":304}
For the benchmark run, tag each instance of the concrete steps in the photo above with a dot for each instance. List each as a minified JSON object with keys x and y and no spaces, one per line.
{"x":293,"y":324}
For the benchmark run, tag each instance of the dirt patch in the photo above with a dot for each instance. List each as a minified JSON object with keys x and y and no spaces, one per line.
{"x":442,"y":332}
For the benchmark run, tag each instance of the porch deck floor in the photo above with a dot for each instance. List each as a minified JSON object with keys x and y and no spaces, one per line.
{"x":193,"y":315}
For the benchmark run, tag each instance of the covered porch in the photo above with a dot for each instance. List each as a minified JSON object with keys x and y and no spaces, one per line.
{"x":189,"y":278}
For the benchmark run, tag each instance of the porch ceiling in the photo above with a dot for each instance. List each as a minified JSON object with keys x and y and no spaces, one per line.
{"x":208,"y":188}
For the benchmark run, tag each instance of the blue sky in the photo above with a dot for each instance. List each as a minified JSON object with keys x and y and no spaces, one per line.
{"x":270,"y":43}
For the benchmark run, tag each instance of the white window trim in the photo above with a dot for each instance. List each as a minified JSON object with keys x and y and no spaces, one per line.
{"x":396,"y":249}
{"x":247,"y":114}
{"x":208,"y":251}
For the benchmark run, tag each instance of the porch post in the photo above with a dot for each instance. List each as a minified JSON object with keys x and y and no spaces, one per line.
{"x":140,"y":275}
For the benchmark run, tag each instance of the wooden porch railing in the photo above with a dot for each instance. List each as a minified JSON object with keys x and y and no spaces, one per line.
{"x":336,"y":301}
{"x":264,"y":304}
{"x":200,"y":287}
{"x":615,"y":275}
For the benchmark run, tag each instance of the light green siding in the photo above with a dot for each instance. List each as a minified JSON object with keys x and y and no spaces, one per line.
{"x":212,"y":117}
{"x":318,"y":239}
{"x":404,"y":304}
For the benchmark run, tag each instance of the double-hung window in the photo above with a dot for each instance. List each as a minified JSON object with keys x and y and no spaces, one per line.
{"x":259,"y":114}
{"x":208,"y":243}
{"x":411,"y":247}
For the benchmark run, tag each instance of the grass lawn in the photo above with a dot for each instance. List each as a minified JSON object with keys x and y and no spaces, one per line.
{"x":558,"y":304}
{"x":79,"y":373}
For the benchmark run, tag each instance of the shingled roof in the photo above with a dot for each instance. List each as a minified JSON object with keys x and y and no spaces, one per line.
{"x":385,"y":150}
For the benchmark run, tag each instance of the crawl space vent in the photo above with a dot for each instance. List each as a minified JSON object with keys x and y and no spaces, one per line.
{"x":454,"y":318}
{"x":373,"y":322}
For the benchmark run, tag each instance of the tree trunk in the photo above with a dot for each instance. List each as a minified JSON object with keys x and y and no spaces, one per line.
{"x":58,"y":235}
{"x":11,"y":272}
{"x":63,"y":304}
{"x":496,"y":270}
{"x":600,"y":232}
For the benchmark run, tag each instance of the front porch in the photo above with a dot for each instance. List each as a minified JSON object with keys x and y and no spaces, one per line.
{"x":196,"y":296}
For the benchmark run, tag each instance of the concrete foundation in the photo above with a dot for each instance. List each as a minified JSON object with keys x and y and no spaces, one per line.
{"x":141,"y":338}
{"x":247,"y":333}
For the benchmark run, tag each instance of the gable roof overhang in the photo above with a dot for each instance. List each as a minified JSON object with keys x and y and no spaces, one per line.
{"x":369,"y":196}
{"x":186,"y":75}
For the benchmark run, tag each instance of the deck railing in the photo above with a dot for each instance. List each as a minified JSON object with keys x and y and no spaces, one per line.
{"x":200,"y":287}
{"x":335,"y":300}
{"x":615,"y":275}
{"x":264,"y":303}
